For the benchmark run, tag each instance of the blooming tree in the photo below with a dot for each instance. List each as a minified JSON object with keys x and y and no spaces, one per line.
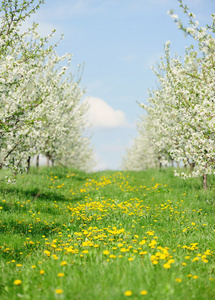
{"x":182,"y":109}
{"x":34,"y":92}
{"x":142,"y":154}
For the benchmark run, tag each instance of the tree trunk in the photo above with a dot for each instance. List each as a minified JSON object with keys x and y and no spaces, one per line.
{"x":37,"y":161}
{"x":172,"y":161}
{"x":29,"y":164}
{"x":47,"y":160}
{"x":205,"y":181}
{"x":192,"y":165}
{"x":52,"y":162}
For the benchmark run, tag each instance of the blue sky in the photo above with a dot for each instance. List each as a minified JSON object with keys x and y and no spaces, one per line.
{"x":118,"y":41}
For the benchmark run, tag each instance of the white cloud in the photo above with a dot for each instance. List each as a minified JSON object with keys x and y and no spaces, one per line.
{"x":102,"y":115}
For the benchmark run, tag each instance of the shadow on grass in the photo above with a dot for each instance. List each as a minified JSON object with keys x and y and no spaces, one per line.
{"x":36,"y":193}
{"x":61,"y":173}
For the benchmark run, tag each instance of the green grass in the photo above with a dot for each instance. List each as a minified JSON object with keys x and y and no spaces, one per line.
{"x":70,"y":235}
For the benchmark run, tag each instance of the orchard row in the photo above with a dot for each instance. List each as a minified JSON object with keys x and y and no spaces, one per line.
{"x":180,"y":121}
{"x":40,"y":109}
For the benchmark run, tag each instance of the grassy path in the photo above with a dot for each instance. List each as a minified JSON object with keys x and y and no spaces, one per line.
{"x":106,"y":235}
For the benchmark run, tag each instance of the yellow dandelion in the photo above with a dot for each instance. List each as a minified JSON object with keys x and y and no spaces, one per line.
{"x":142,"y":242}
{"x":17,"y":282}
{"x":60,"y":274}
{"x":128,"y":293}
{"x":130,"y":259}
{"x":171,"y":261}
{"x":166,"y":266}
{"x":195,"y":259}
{"x":42,"y":272}
{"x":63,"y":263}
{"x":123,"y":250}
{"x":143,"y":293}
{"x":58,"y":291}
{"x":106,"y":252}
{"x":178,"y":280}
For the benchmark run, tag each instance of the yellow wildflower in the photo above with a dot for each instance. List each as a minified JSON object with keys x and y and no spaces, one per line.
{"x":128,"y":293}
{"x":143,"y":293}
{"x":58,"y":291}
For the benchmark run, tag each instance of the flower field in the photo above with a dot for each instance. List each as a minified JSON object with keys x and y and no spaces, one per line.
{"x":107,"y":235}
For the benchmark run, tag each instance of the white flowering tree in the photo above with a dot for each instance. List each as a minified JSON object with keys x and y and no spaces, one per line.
{"x":142,"y":154}
{"x":182,"y":109}
{"x":34,"y":94}
{"x":44,"y":83}
{"x":66,"y":143}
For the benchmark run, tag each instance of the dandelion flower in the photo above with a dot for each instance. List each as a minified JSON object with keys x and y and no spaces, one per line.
{"x":128,"y":293}
{"x":143,"y":293}
{"x":166,"y":266}
{"x":85,"y":251}
{"x":58,"y":291}
{"x":17,"y":282}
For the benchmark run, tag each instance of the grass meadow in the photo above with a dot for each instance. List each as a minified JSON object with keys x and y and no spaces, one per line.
{"x":65,"y":234}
